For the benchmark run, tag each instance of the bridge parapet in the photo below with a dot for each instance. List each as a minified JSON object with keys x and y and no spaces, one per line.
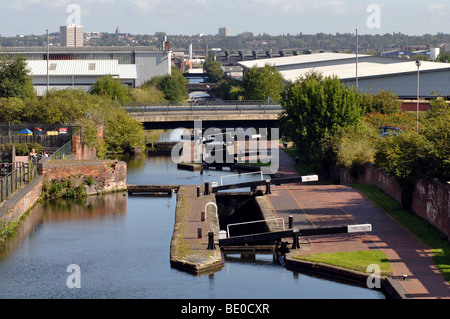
{"x":208,"y":105}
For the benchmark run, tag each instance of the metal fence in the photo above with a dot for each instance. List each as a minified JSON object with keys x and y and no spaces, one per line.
{"x":14,"y":176}
{"x":208,"y":105}
{"x":63,"y":153}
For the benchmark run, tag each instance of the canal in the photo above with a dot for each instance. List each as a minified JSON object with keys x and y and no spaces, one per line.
{"x":122,"y":245}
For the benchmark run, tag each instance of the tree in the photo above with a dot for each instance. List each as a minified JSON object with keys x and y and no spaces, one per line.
{"x":173,"y":86}
{"x":316,"y":108}
{"x":214,"y":69}
{"x":404,"y":157}
{"x":11,"y":109}
{"x":112,"y":88}
{"x":14,"y":78}
{"x":436,"y":129}
{"x":262,"y":83}
{"x":385,"y":102}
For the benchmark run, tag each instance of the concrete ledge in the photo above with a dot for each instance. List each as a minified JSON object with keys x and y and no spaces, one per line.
{"x":196,"y":259}
{"x":389,"y":286}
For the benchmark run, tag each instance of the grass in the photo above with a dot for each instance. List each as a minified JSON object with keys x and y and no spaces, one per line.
{"x":423,"y":230}
{"x":355,"y":260}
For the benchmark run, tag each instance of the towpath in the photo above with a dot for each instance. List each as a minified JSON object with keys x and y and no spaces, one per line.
{"x":337,"y":205}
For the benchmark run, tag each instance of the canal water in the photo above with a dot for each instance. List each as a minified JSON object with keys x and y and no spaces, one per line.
{"x":121,"y":244}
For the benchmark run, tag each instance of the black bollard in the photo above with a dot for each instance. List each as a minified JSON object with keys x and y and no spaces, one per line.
{"x":268,"y":187}
{"x":211,"y":245}
{"x":291,"y":221}
{"x":206,"y":188}
{"x":295,"y":241}
{"x":198,"y":191}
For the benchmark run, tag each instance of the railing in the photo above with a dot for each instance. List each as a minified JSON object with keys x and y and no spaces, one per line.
{"x":14,"y":176}
{"x":192,"y":106}
{"x":63,"y":152}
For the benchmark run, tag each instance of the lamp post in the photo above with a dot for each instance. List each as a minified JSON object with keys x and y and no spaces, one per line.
{"x":418,"y":63}
{"x":357,"y":49}
{"x":48,"y":57}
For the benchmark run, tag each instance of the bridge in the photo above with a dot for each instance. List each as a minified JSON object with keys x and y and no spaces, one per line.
{"x":170,"y":115}
{"x":203,"y":87}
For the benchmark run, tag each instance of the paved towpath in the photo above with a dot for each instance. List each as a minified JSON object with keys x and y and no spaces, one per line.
{"x":337,"y":205}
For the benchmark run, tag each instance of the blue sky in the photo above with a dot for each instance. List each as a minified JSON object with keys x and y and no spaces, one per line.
{"x":188,"y":17}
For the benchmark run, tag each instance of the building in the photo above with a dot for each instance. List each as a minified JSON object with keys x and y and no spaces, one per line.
{"x":224,"y":32}
{"x":371,"y":73}
{"x":148,"y":62}
{"x":72,"y":35}
{"x":75,"y":74}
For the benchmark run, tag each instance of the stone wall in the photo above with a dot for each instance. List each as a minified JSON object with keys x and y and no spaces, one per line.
{"x":108,"y":175}
{"x":430,"y":199}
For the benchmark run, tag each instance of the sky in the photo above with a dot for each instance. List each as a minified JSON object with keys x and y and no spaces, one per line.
{"x":191,"y":17}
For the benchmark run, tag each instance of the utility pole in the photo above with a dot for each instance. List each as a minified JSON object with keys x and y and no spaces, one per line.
{"x":48,"y":58}
{"x":357,"y":49}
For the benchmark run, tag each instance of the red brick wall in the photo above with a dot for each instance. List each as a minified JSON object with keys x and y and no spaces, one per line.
{"x":431,"y":199}
{"x":108,"y":175}
{"x":412,"y":106}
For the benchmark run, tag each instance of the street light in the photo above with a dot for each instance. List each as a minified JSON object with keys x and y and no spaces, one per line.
{"x":418,"y":63}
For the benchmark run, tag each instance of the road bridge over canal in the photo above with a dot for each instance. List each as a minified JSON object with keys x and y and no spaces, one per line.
{"x":171,"y":115}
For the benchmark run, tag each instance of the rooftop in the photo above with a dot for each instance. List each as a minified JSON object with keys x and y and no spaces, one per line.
{"x":82,"y":68}
{"x":344,"y":65}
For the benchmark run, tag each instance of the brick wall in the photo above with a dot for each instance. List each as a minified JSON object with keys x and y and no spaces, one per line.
{"x":22,"y":201}
{"x":431,"y":199}
{"x":108,"y":175}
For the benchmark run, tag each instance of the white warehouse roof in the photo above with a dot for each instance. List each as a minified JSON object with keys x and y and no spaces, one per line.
{"x":344,"y":65}
{"x":93,"y":68}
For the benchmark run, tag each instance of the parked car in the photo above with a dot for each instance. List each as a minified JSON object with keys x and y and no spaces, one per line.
{"x":389,"y":130}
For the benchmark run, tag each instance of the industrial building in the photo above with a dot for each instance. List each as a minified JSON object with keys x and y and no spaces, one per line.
{"x":370,"y":73}
{"x":83,"y":74}
{"x":72,"y":67}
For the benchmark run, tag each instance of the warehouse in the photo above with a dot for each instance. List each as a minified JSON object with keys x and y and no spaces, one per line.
{"x":371,"y":73}
{"x":148,"y":61}
{"x":75,"y":74}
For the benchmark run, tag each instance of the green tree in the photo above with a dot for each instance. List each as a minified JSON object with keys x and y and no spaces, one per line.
{"x":14,"y":78}
{"x":11,"y":109}
{"x":385,"y":102}
{"x":406,"y":158}
{"x":316,"y":108}
{"x":213,"y":69}
{"x":148,"y":93}
{"x":436,"y":129}
{"x":229,"y":89}
{"x":112,"y":88}
{"x":173,"y":86}
{"x":262,"y":83}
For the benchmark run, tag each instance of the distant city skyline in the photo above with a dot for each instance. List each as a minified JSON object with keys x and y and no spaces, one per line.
{"x":191,"y":17}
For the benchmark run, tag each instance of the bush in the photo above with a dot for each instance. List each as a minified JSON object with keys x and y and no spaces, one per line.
{"x":405,"y":157}
{"x":385,"y":102}
{"x":354,"y":146}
